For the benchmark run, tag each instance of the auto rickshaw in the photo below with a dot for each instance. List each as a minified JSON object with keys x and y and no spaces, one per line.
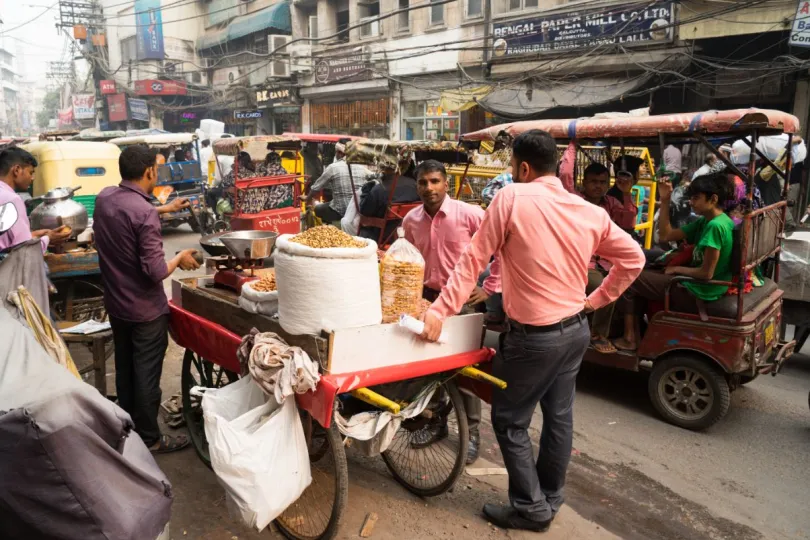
{"x":93,"y":165}
{"x":184,"y":178}
{"x":696,"y":355}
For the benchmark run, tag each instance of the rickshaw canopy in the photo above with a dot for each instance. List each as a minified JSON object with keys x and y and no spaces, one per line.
{"x":394,"y":154}
{"x":738,"y":122}
{"x":96,"y":135}
{"x":320,"y":137}
{"x":257,"y":146}
{"x":156,"y":141}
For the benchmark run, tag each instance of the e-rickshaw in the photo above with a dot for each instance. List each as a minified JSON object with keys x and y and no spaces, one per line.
{"x":67,"y":164}
{"x":283,"y":214}
{"x":177,"y":179}
{"x":399,"y":156}
{"x":697,"y":355}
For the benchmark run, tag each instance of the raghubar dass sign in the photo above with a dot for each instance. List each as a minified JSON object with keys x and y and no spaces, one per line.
{"x":626,"y":25}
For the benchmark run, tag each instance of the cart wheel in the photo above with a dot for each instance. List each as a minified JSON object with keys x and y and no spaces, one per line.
{"x":317,"y":513}
{"x":745,"y":379}
{"x":198,"y":371}
{"x":77,"y":301}
{"x":421,"y":457}
{"x":689,"y":392}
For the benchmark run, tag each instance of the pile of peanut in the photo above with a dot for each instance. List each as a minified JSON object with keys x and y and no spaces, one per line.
{"x":266,"y":284}
{"x":326,"y":236}
{"x":401,"y":288}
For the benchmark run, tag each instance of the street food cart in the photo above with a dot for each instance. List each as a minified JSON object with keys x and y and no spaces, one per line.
{"x":358,"y":366}
{"x":697,"y":355}
{"x":184,"y":179}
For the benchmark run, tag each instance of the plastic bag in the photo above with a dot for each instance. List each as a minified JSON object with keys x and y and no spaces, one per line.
{"x":258,"y":450}
{"x":253,"y":301}
{"x":402,"y":273}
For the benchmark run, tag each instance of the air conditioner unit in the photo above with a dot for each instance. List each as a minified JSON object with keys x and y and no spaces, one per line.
{"x":200,"y":78}
{"x":300,"y":58}
{"x":371,"y":29}
{"x":279,"y":69}
{"x":277,"y":42}
{"x":313,"y":26}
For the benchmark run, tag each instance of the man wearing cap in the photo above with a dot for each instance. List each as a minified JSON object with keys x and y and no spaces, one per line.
{"x":336,"y":177}
{"x":625,"y":171}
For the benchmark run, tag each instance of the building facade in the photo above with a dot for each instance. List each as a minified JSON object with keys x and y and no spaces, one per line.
{"x":10,"y":121}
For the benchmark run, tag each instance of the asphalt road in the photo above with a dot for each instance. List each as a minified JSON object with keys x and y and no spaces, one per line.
{"x":638,"y":477}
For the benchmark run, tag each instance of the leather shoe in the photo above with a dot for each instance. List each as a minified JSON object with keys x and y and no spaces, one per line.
{"x":473,"y":448}
{"x":506,"y":517}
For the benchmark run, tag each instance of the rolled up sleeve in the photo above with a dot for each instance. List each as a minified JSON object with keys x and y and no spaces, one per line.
{"x":618,"y":248}
{"x":150,"y":245}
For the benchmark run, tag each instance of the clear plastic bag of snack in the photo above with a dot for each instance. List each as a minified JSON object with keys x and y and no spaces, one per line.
{"x":402,"y":274}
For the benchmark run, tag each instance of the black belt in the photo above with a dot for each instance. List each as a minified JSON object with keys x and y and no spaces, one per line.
{"x":531,"y":329}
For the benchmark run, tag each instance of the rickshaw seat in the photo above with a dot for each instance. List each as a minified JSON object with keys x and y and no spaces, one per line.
{"x":726,"y":307}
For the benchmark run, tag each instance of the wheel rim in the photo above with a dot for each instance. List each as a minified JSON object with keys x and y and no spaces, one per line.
{"x":419,"y":454}
{"x":309,"y":516}
{"x":198,"y":371}
{"x":686,"y":393}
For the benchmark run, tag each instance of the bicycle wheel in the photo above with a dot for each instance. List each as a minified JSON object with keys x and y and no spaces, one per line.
{"x":317,"y":513}
{"x":428,"y":453}
{"x":198,"y":371}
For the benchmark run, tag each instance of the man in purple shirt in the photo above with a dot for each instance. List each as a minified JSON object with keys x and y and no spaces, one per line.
{"x":16,"y":174}
{"x":130,"y":248}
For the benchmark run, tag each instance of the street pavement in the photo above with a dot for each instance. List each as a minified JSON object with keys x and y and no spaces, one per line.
{"x":631,"y":474}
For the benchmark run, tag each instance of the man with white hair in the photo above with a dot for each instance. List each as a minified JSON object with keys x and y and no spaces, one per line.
{"x":336,"y":177}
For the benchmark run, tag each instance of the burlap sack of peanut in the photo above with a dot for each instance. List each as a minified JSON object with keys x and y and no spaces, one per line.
{"x":402,"y":273}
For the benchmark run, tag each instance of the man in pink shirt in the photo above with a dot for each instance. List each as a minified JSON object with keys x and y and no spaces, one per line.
{"x":441,"y":229}
{"x":545,"y":237}
{"x":17,"y":168}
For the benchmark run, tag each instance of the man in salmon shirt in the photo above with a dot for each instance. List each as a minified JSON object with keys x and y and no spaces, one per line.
{"x":441,"y":229}
{"x":545,"y":237}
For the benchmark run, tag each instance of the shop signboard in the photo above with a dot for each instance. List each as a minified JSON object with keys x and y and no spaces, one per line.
{"x":151,"y":87}
{"x":138,"y":109}
{"x":117,"y":107}
{"x":84,"y":106}
{"x":800,"y":34}
{"x":341,"y":69}
{"x":150,"y":30}
{"x":637,"y":24}
{"x":107,"y":87}
{"x":65,"y":117}
{"x":247,"y":115}
{"x":274,"y":96}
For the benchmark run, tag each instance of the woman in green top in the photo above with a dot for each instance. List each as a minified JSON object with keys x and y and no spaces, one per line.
{"x":712,"y":238}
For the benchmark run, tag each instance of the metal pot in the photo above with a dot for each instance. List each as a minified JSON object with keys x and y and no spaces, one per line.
{"x":57,"y":209}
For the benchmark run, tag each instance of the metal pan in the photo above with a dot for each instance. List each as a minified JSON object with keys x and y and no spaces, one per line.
{"x":250,"y":244}
{"x":213,"y":245}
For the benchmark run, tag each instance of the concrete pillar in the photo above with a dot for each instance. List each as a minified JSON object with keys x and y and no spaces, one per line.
{"x":801,"y":104}
{"x":394,"y":113}
{"x":155,"y":118}
{"x":305,"y":125}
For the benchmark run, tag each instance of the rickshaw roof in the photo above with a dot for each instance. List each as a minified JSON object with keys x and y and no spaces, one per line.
{"x":256,"y":145}
{"x":393,"y":153}
{"x":320,"y":137}
{"x":163,"y":140}
{"x":98,"y":135}
{"x":731,"y":122}
{"x":64,"y":150}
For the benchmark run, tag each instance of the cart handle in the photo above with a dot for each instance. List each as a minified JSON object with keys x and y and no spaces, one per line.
{"x":479,"y":375}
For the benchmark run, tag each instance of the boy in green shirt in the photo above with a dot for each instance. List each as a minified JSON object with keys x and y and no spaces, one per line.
{"x":712,"y":238}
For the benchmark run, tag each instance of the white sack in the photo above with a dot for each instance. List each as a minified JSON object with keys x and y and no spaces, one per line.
{"x":263,"y":308}
{"x":326,"y":289}
{"x":258,"y":450}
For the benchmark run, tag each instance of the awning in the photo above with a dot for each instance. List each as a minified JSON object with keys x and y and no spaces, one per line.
{"x":276,"y":17}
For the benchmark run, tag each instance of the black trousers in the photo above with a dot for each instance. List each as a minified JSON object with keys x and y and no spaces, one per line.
{"x":327,"y":213}
{"x":538,"y":368}
{"x":139,"y":352}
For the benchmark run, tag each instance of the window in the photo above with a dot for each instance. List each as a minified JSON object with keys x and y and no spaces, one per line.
{"x":518,"y":5}
{"x":342,"y":23}
{"x":129,"y":50}
{"x":474,"y":8}
{"x":404,"y":18}
{"x":371,"y":13}
{"x":427,"y":120}
{"x":436,"y":14}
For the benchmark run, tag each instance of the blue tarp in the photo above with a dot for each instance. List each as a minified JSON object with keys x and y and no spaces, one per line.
{"x":276,"y":17}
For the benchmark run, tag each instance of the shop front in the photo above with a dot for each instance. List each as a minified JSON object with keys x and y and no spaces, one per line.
{"x":281,"y":111}
{"x":427,"y":120}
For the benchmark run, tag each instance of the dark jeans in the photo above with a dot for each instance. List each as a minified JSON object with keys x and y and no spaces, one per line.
{"x":139,"y":352}
{"x":327,"y":213}
{"x":539,"y":368}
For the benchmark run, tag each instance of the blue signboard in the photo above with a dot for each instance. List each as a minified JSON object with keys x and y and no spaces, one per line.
{"x":150,"y":30}
{"x":138,"y":109}
{"x":640,"y":24}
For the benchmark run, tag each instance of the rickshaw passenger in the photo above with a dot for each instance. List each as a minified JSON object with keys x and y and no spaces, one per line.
{"x":271,"y":166}
{"x":596,"y":180}
{"x":712,"y":238}
{"x":336,"y":176}
{"x":375,"y":203}
{"x":625,"y":171}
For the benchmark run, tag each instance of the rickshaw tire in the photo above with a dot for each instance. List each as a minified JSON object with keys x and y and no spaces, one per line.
{"x":713,"y":376}
{"x":745,"y":379}
{"x":461,"y":460}
{"x":341,"y":489}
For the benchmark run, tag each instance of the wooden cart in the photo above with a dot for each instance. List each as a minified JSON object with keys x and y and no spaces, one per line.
{"x":208,"y":323}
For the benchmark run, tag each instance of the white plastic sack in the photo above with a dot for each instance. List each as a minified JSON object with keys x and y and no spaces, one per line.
{"x":253,"y":301}
{"x":258,"y":450}
{"x":326,"y":289}
{"x":350,"y":222}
